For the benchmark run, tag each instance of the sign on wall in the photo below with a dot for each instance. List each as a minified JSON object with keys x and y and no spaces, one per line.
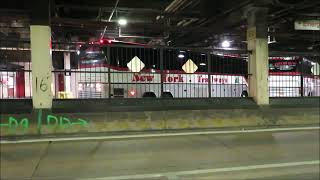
{"x":313,"y":25}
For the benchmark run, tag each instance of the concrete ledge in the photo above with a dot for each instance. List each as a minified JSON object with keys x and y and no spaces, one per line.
{"x":16,"y":106}
{"x":67,"y":123}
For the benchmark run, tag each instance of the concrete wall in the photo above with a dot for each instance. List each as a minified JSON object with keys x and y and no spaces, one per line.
{"x":110,"y":122}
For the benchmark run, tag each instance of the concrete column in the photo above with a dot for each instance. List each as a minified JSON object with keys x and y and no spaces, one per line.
{"x":257,"y":38}
{"x":41,"y":66}
{"x":41,"y":63}
{"x":67,"y":67}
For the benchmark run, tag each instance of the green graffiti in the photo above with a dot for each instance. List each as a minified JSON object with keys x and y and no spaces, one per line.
{"x":81,"y":122}
{"x":50,"y":121}
{"x":13,"y":123}
{"x":64,"y":122}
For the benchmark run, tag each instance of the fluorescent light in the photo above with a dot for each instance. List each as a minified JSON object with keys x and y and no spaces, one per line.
{"x":181,"y":56}
{"x":225,"y":44}
{"x":122,"y":22}
{"x":202,"y":64}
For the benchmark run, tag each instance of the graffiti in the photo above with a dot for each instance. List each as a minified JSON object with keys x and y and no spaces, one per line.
{"x":64,"y":122}
{"x":49,"y":120}
{"x":14,"y":123}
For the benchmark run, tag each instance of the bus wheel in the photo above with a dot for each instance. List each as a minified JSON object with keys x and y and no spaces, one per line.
{"x":166,"y":95}
{"x":149,"y":95}
{"x":244,"y":94}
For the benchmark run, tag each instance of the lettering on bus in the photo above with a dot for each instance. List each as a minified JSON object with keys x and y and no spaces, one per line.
{"x":173,"y":79}
{"x":150,"y":78}
{"x":142,"y":78}
{"x":202,"y":79}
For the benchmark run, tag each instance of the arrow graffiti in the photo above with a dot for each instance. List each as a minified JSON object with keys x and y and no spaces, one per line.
{"x":50,"y":121}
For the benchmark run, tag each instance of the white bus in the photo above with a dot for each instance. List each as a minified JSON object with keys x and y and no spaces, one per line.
{"x":287,"y":77}
{"x":95,"y":70}
{"x":293,"y":77}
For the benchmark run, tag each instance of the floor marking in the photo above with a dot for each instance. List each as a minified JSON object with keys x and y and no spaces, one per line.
{"x":206,"y":171}
{"x":110,"y":137}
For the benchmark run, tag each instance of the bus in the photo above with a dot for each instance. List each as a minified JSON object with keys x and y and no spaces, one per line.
{"x":293,"y":77}
{"x":100,"y":77}
{"x":13,"y":81}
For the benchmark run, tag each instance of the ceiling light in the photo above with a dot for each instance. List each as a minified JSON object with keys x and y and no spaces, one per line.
{"x":122,"y":22}
{"x":225,"y":44}
{"x":202,"y":64}
{"x":180,"y":56}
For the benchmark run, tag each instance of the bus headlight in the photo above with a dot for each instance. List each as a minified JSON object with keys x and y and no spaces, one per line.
{"x":80,"y":87}
{"x":98,"y":85}
{"x":132,"y":92}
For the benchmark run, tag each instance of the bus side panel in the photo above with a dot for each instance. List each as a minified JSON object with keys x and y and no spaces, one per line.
{"x":284,"y":86}
{"x":227,"y":85}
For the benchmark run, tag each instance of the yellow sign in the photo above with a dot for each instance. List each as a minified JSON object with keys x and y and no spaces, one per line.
{"x":135,"y":65}
{"x":190,"y":67}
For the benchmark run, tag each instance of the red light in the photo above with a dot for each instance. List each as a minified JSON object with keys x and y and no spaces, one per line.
{"x":105,"y":41}
{"x":132,"y":93}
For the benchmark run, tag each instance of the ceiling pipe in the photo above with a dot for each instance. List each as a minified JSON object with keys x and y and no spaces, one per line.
{"x":138,"y":36}
{"x":184,"y":5}
{"x":113,"y":10}
{"x":289,"y":4}
{"x":110,"y":17}
{"x":172,"y":5}
{"x":190,"y":21}
{"x":178,"y":6}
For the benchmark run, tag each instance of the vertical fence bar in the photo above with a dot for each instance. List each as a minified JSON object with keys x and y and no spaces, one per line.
{"x":109,"y":71}
{"x":301,"y":84}
{"x":301,"y":78}
{"x":209,"y":76}
{"x":161,"y":71}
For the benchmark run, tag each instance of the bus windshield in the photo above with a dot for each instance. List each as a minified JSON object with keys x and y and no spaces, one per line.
{"x":300,"y":66}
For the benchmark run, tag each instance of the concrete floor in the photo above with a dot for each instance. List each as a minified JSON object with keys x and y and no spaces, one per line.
{"x":228,"y":156}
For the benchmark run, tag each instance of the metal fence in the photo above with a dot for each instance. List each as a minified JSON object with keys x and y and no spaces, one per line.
{"x":293,"y":77}
{"x":15,"y":69}
{"x":117,"y":71}
{"x":131,"y":71}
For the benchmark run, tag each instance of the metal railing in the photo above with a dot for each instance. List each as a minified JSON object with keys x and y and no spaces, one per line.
{"x":127,"y":71}
{"x":15,"y":70}
{"x":117,"y":71}
{"x":293,"y":77}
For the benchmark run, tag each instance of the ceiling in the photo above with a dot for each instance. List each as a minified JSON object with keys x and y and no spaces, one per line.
{"x":180,"y":23}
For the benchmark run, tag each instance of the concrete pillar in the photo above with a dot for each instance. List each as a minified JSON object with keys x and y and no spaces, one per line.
{"x":41,"y":66}
{"x":41,"y":63}
{"x":257,"y":38}
{"x":67,"y":67}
